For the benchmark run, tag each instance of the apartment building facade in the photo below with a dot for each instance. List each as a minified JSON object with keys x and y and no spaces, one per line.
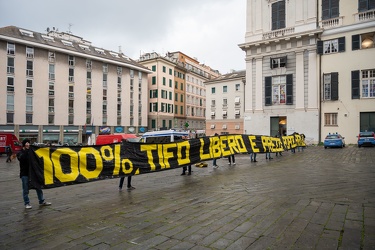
{"x":176,"y":91}
{"x":58,"y":87}
{"x":282,"y":86}
{"x":226,"y":104}
{"x":309,"y":67}
{"x":347,"y":73}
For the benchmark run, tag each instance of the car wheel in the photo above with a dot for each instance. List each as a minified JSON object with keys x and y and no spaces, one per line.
{"x":325,"y":147}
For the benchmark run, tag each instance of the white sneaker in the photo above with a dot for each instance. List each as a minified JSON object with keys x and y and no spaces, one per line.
{"x":45,"y":204}
{"x":28,"y":206}
{"x":228,"y":163}
{"x":234,"y":163}
{"x":216,"y":166}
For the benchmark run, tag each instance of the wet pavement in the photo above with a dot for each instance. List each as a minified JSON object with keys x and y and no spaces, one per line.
{"x":315,"y":199}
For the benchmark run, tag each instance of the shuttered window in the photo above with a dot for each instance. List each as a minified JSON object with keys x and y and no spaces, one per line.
{"x":355,"y":84}
{"x":330,"y":9}
{"x":278,"y":15}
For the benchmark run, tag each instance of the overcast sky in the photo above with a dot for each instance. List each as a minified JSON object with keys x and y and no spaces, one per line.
{"x":209,"y":30}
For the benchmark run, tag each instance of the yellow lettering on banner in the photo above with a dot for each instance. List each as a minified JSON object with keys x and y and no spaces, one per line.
{"x":166,"y":154}
{"x":149,"y":148}
{"x":59,"y":174}
{"x":48,"y":167}
{"x":124,"y":163}
{"x":224,"y":144}
{"x":215,"y":147}
{"x":83,"y":162}
{"x":240,"y":144}
{"x":116,"y":169}
{"x":252,"y":139}
{"x":203,"y":156}
{"x":232,"y":144}
{"x":265,"y":143}
{"x":107,"y":153}
{"x":186,"y":146}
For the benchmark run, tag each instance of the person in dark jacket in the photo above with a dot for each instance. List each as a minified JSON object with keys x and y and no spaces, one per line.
{"x":24,"y":158}
{"x":9,"y":154}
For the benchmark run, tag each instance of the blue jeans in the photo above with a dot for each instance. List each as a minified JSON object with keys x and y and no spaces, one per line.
{"x":214,"y":162}
{"x":25,"y":191}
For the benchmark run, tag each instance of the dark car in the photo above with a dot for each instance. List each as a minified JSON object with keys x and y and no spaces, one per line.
{"x":366,"y":139}
{"x":334,"y":140}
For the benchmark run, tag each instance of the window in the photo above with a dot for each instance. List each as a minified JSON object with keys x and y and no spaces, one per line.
{"x":237,"y":100}
{"x":51,"y":89}
{"x":71,"y":91}
{"x":164,"y":81}
{"x":182,"y":98}
{"x":10,"y":84}
{"x":153,"y":93}
{"x":10,"y":65}
{"x":10,"y":118}
{"x":238,"y":87}
{"x":84,"y":47}
{"x":225,"y":101}
{"x":365,"y":5}
{"x":119,"y":71}
{"x":181,"y":110}
{"x":363,"y":41}
{"x":330,"y":82}
{"x":330,"y":9}
{"x":51,"y":119}
{"x":29,"y":86}
{"x":88,"y":78}
{"x":225,"y":89}
{"x":153,"y":68}
{"x":182,"y":86}
{"x":213,"y":90}
{"x":29,"y":69}
{"x":26,"y":33}
{"x":213,"y":103}
{"x":278,"y":15}
{"x":11,"y":49}
{"x":48,"y":38}
{"x":368,"y":83}
{"x":51,"y":72}
{"x":51,"y":57}
{"x":176,"y":85}
{"x":10,"y":102}
{"x":71,"y":75}
{"x":279,"y":62}
{"x":331,"y":46}
{"x":29,"y":52}
{"x":51,"y":105}
{"x":330,"y":119}
{"x":100,"y":51}
{"x":29,"y":103}
{"x":279,"y":90}
{"x":29,"y":118}
{"x":67,"y":43}
{"x":71,"y":107}
{"x":71,"y":61}
{"x":164,"y":69}
{"x":88,"y":64}
{"x":105,"y":68}
{"x":131,"y":72}
{"x":105,"y":80}
{"x":71,"y":119}
{"x":170,"y":71}
{"x":153,"y":80}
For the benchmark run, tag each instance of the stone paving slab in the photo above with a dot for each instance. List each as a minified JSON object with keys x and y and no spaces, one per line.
{"x":315,"y":199}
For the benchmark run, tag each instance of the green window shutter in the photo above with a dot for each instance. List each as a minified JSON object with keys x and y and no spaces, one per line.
{"x":341,"y":44}
{"x":355,"y":84}
{"x":268,"y":91}
{"x":289,"y":89}
{"x":356,"y":42}
{"x":334,"y":86}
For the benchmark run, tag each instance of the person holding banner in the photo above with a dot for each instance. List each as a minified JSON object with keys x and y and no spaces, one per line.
{"x":24,"y":159}
{"x":129,"y":186}
{"x":253,"y":157}
{"x":231,"y":160}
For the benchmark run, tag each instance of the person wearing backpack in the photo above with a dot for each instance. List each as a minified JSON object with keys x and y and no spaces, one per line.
{"x":24,"y":159}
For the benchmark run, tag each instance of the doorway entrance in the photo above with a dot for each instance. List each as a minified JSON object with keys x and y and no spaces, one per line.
{"x":278,"y":126}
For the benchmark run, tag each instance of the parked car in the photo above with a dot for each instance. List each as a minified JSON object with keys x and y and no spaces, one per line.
{"x":6,"y":140}
{"x":366,"y":139}
{"x":334,"y":140}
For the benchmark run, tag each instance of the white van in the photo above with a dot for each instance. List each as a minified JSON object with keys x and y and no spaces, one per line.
{"x":164,"y":136}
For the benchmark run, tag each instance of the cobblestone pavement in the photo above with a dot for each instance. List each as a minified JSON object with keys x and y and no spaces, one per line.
{"x":316,"y":199}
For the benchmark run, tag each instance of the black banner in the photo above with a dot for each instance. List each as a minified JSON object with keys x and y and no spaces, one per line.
{"x":58,"y":166}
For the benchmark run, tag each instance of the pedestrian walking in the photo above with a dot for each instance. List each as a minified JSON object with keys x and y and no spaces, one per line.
{"x":25,"y":164}
{"x":232,"y":160}
{"x":9,"y":153}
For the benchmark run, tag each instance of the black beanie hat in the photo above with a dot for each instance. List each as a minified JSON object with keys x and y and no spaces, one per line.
{"x":24,"y":142}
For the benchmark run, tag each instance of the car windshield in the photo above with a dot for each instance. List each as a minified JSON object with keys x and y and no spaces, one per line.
{"x":366,"y":134}
{"x":333,"y":136}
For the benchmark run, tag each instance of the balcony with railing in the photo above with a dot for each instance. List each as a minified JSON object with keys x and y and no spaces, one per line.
{"x":364,"y":16}
{"x":331,"y":23}
{"x":278,"y":33}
